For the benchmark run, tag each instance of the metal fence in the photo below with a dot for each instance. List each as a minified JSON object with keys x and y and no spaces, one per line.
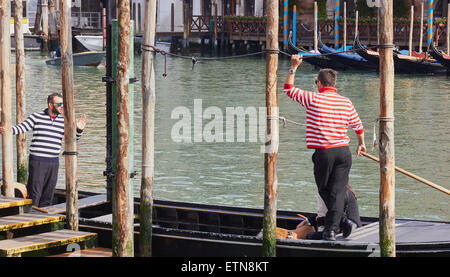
{"x":87,"y":20}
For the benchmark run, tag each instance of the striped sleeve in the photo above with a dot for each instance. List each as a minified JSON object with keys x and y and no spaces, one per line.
{"x":355,"y":122}
{"x":303,"y":97}
{"x":25,"y":126}
{"x":79,"y":133}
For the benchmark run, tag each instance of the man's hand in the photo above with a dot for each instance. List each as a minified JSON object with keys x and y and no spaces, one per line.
{"x":81,"y":122}
{"x":296,"y":61}
{"x":303,"y":223}
{"x":2,"y":130}
{"x":360,"y":148}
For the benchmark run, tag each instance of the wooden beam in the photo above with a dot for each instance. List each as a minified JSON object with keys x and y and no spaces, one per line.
{"x":70,"y":145}
{"x":21,"y":140}
{"x":124,"y":213}
{"x":148,"y":132}
{"x":411,"y":29}
{"x":386,"y":132}
{"x":421,"y":27}
{"x":271,"y":149}
{"x":6,"y":97}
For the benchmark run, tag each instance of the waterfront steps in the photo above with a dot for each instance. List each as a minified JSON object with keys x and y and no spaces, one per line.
{"x":47,"y":243}
{"x":25,"y":232}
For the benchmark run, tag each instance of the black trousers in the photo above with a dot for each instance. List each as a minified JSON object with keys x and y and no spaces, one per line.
{"x":42,"y":178}
{"x":331,"y":170}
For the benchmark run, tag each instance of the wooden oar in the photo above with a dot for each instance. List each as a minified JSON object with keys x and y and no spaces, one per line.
{"x":426,"y":182}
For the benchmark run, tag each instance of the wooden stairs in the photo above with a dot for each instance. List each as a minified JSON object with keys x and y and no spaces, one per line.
{"x":26,"y":232}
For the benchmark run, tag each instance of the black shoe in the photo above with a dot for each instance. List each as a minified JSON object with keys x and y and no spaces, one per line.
{"x":348,"y":227}
{"x":329,"y":235}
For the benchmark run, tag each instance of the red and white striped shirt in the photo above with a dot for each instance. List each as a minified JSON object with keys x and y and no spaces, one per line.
{"x":328,"y":116}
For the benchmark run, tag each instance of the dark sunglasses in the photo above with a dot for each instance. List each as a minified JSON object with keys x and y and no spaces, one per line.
{"x":59,"y":104}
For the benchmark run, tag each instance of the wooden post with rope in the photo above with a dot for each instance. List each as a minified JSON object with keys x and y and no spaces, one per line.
{"x":386,"y":132}
{"x":271,"y":149}
{"x":70,"y":145}
{"x":148,"y":132}
{"x":21,"y":139}
{"x":5,"y":88}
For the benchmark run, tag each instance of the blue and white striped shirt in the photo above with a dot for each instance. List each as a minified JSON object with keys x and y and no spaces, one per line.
{"x":47,"y":134}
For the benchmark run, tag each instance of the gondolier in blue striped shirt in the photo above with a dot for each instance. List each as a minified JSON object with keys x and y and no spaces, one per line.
{"x":43,"y":162}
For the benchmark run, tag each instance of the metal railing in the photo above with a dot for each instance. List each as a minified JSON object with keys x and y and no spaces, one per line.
{"x":87,"y":20}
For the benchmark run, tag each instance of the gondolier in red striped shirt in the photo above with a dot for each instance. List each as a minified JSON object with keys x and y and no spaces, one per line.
{"x":328,"y":115}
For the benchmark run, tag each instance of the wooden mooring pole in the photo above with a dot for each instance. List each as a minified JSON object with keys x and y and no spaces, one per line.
{"x":21,"y":140}
{"x":448,"y":29}
{"x":70,"y":143}
{"x":386,"y":132}
{"x":421,"y":28}
{"x":44,"y":6}
{"x":5,"y":89}
{"x":148,"y":132}
{"x":344,"y":36}
{"x":411,"y":29}
{"x":271,"y":149}
{"x":316,"y":26}
{"x":125,"y":240}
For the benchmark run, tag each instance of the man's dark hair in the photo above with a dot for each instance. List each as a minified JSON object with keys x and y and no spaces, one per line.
{"x":53,"y":95}
{"x":327,"y":77}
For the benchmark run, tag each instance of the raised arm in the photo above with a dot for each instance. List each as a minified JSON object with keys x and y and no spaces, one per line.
{"x":296,"y":61}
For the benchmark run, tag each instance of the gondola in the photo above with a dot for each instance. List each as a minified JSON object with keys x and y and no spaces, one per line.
{"x":190,"y":229}
{"x":315,"y":59}
{"x":351,"y":60}
{"x":417,"y":65}
{"x":90,"y":58}
{"x":368,"y":54}
{"x":402,"y":63}
{"x":439,"y":56}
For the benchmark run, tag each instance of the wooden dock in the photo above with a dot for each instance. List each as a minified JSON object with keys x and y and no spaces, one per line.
{"x":26,"y":232}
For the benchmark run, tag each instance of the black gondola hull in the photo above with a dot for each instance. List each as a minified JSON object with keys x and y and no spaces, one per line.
{"x":191,"y":230}
{"x":435,"y":53}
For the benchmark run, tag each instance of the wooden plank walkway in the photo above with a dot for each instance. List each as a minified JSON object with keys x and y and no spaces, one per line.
{"x":17,"y":246}
{"x":27,"y":220}
{"x":82,"y":203}
{"x":6,"y":202}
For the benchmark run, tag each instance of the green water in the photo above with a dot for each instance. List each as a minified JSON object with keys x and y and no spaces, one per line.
{"x":232,"y":173}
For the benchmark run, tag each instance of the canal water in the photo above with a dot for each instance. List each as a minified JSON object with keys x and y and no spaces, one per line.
{"x":232,"y":173}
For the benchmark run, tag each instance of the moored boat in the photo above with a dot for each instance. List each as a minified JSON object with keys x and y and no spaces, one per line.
{"x":368,"y":54}
{"x":441,"y":57}
{"x":351,"y":60}
{"x":417,"y":65}
{"x":191,"y":229}
{"x":314,"y":58}
{"x":92,"y":43}
{"x":91,"y":58}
